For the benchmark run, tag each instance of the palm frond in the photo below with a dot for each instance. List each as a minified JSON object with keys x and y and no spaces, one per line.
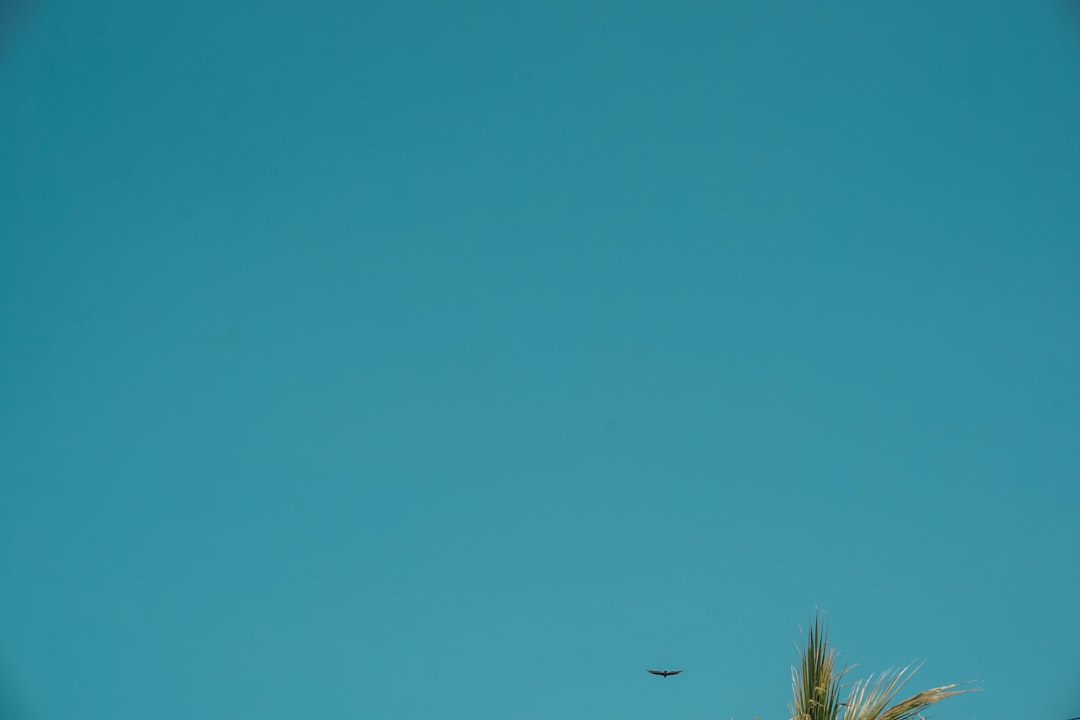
{"x":870,"y":699}
{"x":816,"y":682}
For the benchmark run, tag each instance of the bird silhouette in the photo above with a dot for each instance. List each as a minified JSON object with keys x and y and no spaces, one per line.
{"x":664,"y":673}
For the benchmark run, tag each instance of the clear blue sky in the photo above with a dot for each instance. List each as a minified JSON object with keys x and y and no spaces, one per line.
{"x":395,"y":360}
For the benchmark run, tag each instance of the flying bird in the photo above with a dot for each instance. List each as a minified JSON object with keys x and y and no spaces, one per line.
{"x":664,"y":673}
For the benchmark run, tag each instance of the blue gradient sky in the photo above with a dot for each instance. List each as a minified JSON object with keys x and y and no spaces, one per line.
{"x":460,"y":360}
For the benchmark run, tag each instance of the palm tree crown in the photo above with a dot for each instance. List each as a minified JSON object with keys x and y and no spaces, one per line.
{"x":816,"y":685}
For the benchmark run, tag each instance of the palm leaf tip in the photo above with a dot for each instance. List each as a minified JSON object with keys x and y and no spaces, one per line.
{"x":816,"y":682}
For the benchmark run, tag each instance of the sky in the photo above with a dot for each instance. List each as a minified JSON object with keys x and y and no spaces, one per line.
{"x":396,"y":360}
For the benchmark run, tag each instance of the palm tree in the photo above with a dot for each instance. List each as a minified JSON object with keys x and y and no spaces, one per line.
{"x":817,"y":683}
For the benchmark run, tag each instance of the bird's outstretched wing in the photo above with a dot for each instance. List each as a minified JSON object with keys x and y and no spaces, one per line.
{"x":664,"y":673}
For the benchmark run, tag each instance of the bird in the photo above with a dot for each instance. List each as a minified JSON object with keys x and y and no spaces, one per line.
{"x":664,"y":673}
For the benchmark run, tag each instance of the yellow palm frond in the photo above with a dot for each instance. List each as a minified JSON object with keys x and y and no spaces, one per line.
{"x":871,"y":699}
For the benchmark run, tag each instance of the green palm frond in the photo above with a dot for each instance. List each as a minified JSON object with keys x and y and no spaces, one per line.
{"x":816,"y":682}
